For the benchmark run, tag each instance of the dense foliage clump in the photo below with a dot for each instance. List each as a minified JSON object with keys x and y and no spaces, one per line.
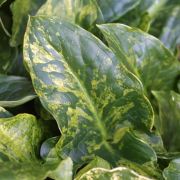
{"x":89,"y":89}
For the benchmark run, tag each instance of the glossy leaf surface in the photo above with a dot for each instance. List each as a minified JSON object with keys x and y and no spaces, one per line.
{"x":169,"y":122}
{"x":143,"y":55}
{"x":15,"y":91}
{"x":114,"y":9}
{"x":82,"y":84}
{"x":117,"y":173}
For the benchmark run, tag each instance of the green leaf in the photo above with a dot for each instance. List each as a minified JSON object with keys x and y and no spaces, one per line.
{"x":86,"y":13}
{"x":4,"y":113}
{"x":114,"y":9}
{"x":172,"y":172}
{"x":143,"y":55}
{"x":97,"y":162}
{"x":82,"y":84}
{"x":8,"y":55}
{"x":63,"y":170}
{"x":20,"y":10}
{"x":2,"y":2}
{"x":15,"y":91}
{"x":152,"y":138}
{"x":116,"y":173}
{"x":47,"y":149}
{"x":34,"y":171}
{"x":20,"y":137}
{"x":170,"y":35}
{"x":169,"y":113}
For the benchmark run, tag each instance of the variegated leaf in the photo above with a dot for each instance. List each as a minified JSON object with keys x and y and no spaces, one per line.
{"x":92,"y":97}
{"x":143,"y":55}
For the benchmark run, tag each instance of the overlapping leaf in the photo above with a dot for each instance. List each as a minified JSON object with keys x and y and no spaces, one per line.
{"x":117,"y":173}
{"x":20,"y":138}
{"x":169,"y":122}
{"x":173,"y":170}
{"x":143,"y":55}
{"x":92,"y":97}
{"x":21,"y":10}
{"x":34,"y":171}
{"x":4,"y":113}
{"x":7,"y":54}
{"x":87,"y":13}
{"x":15,"y":91}
{"x":170,"y":35}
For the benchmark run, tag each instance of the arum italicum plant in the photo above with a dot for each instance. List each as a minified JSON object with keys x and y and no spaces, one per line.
{"x":89,"y":89}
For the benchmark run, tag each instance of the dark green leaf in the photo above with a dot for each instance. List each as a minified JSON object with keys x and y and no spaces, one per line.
{"x":46,"y":150}
{"x":8,"y":55}
{"x":143,"y":55}
{"x":82,"y":84}
{"x":2,"y":2}
{"x":20,"y":137}
{"x":4,"y":113}
{"x":169,"y":112}
{"x":113,"y":9}
{"x":172,"y":172}
{"x":15,"y":91}
{"x":21,"y":10}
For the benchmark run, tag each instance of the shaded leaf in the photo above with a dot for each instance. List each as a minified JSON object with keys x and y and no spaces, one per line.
{"x":114,"y":9}
{"x":20,"y":10}
{"x":2,"y":2}
{"x":4,"y":113}
{"x":20,"y":137}
{"x":173,"y":170}
{"x":169,"y":113}
{"x":8,"y":54}
{"x":15,"y":91}
{"x":143,"y":55}
{"x":47,"y":148}
{"x":170,"y":34}
{"x":82,"y":84}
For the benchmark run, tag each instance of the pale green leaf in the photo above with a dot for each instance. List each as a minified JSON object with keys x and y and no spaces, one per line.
{"x":20,"y":137}
{"x":116,"y":173}
{"x":36,"y":171}
{"x":97,"y":162}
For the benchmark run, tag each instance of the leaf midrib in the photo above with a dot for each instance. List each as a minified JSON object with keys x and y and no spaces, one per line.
{"x":89,"y":101}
